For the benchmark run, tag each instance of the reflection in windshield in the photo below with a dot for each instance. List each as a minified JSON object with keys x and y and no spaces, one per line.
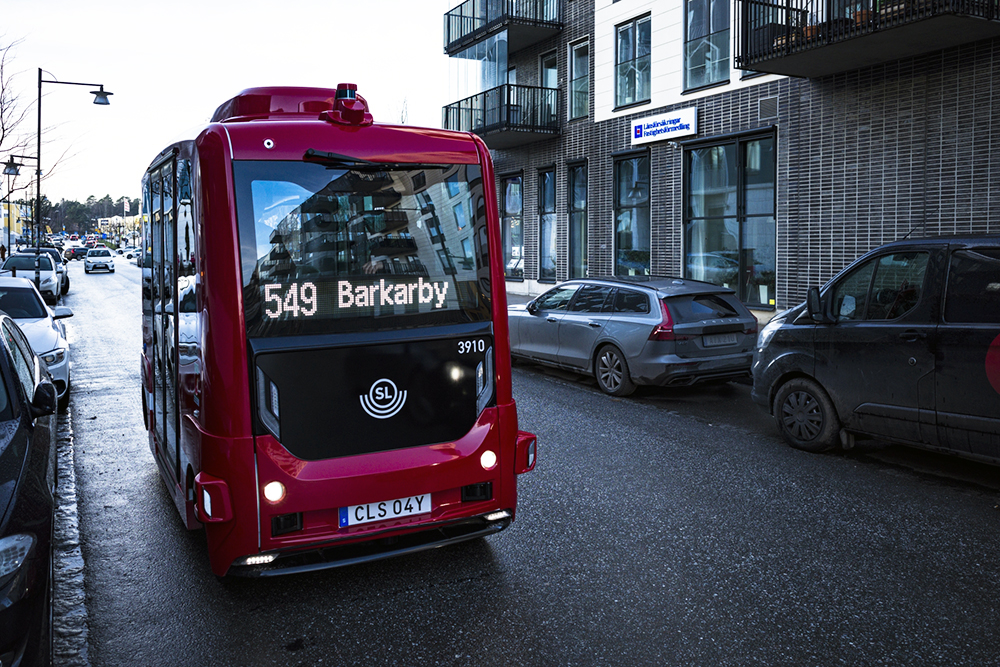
{"x":321,"y":243}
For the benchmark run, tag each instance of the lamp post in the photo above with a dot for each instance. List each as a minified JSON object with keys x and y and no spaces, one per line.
{"x":101,"y":98}
{"x":12,"y":168}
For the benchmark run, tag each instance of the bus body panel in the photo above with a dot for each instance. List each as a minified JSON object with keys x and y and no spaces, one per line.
{"x":225,"y":460}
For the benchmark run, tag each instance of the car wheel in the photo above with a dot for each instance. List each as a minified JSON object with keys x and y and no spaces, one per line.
{"x":86,"y":270}
{"x":805,"y":416}
{"x":611,"y":371}
{"x":64,"y":401}
{"x":111,"y":270}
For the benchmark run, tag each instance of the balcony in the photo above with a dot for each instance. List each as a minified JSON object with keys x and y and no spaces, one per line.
{"x":508,"y":115}
{"x":527,"y":22}
{"x":814,"y":38}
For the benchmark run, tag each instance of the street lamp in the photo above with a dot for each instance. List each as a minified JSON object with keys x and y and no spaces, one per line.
{"x":12,"y":168}
{"x":101,"y":98}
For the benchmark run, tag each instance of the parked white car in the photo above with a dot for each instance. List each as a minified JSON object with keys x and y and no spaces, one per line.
{"x":22,"y":265}
{"x":43,"y":328}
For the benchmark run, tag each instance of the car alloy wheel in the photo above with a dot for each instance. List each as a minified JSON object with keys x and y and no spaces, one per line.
{"x":612,"y":373}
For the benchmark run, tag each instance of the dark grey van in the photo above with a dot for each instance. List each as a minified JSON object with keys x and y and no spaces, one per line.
{"x":904,"y":344}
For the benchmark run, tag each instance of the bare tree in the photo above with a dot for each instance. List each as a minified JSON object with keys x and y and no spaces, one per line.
{"x":12,"y":111}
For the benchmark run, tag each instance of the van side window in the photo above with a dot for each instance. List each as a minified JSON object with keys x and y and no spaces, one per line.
{"x":973,"y":294}
{"x":883,"y":288}
{"x":850,"y":295}
{"x":899,"y":281}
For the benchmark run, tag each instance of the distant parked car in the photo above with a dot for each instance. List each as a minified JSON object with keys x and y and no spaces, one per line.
{"x":24,"y":266}
{"x":60,"y":265}
{"x":75,"y":252}
{"x":27,"y":488}
{"x":99,"y":259}
{"x":128,"y":252}
{"x":655,"y":331}
{"x":43,"y":327}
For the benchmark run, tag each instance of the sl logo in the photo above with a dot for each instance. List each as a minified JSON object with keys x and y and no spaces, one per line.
{"x":383,"y":400}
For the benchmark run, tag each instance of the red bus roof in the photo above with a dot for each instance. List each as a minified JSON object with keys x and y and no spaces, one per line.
{"x":282,"y":123}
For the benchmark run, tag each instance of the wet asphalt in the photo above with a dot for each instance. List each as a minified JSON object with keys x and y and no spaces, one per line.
{"x":670,"y":528}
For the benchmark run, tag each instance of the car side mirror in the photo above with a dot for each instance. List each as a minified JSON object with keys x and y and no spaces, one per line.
{"x":532,"y":307}
{"x":59,"y":312}
{"x":814,"y":304}
{"x":45,"y":400}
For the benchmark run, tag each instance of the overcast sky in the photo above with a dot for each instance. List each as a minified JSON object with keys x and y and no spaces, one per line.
{"x":170,"y":64}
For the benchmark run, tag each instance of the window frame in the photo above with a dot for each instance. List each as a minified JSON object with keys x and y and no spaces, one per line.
{"x":505,"y":226}
{"x":686,"y":87}
{"x":571,"y":68}
{"x":634,"y":24}
{"x":547,"y":218}
{"x":571,"y":212}
{"x":739,"y":143}
{"x":616,"y":208}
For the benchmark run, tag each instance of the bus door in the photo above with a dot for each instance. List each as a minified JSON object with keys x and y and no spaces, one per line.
{"x":163,"y":230}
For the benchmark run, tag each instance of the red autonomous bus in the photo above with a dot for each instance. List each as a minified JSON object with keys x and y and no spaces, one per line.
{"x":326,"y":366}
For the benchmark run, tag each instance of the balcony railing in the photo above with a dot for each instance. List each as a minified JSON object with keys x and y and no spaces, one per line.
{"x":508,"y":115}
{"x":527,"y":22}
{"x":812,"y":38}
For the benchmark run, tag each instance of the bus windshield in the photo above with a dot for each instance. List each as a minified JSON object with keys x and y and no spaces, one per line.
{"x":346,"y":249}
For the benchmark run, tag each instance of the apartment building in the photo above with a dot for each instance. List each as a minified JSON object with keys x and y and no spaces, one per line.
{"x":758,"y":144}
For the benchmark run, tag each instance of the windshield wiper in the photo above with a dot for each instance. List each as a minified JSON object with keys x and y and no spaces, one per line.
{"x":338,"y":160}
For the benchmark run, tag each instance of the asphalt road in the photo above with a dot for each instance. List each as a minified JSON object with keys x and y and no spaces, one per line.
{"x":671,"y":528}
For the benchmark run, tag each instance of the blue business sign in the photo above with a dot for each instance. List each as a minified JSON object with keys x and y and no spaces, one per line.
{"x":671,"y":125}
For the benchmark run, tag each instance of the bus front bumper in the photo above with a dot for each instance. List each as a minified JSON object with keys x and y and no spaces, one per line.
{"x":340,"y":555}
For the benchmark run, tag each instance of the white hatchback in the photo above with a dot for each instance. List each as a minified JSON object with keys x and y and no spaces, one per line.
{"x":43,"y":328}
{"x":99,"y":259}
{"x":22,"y":265}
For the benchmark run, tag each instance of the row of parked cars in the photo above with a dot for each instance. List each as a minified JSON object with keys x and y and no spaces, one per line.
{"x":903,"y":345}
{"x":34,"y":385}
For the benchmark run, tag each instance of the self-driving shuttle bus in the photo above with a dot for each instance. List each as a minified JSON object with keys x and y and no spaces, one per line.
{"x":325,"y":362}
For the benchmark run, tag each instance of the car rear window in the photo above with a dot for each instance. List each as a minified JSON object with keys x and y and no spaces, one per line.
{"x":690,"y":308}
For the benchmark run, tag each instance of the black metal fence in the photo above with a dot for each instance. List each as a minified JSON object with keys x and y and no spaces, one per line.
{"x":506,"y":107}
{"x":465,"y":23}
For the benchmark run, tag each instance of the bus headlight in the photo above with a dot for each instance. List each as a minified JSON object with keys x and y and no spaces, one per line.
{"x":274,"y":492}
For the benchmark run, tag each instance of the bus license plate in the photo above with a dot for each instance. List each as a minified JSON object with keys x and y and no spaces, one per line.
{"x":385,"y":510}
{"x":717,"y":340}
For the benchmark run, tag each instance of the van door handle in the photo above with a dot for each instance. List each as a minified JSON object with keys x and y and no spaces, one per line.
{"x":551,"y":319}
{"x":912,"y":336}
{"x":596,"y":325}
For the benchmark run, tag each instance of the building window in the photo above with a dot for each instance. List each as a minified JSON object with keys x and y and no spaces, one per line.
{"x":729,"y":226}
{"x":577,"y":199}
{"x":512,"y":210}
{"x":547,"y":224}
{"x":632,"y":63}
{"x":579,"y":80}
{"x":632,"y":231}
{"x":706,"y":52}
{"x":549,"y":76}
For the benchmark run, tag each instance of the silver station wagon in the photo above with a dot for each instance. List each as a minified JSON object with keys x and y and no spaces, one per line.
{"x":627,"y":332}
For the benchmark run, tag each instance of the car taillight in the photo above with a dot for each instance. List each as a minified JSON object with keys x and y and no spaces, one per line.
{"x":665,"y":329}
{"x":751,"y":328}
